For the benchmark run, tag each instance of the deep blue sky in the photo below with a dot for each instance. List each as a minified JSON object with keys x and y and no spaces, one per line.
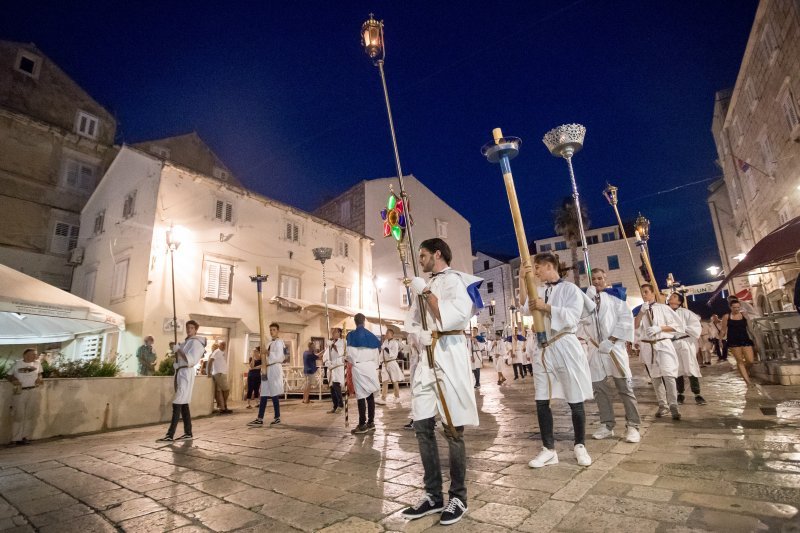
{"x":284,"y":94}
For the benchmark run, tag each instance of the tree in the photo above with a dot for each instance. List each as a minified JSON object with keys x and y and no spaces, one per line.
{"x":565,"y":223}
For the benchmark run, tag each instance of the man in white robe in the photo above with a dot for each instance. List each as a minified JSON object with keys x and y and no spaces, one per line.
{"x":562,"y":370}
{"x":390,"y":369}
{"x":362,"y":354}
{"x":656,"y":325}
{"x":271,"y":377}
{"x":187,"y":355}
{"x":608,"y":356}
{"x":516,"y":343}
{"x":686,"y":347}
{"x":334,"y":361}
{"x":450,"y":300}
{"x":498,"y":352}
{"x":476,"y":345}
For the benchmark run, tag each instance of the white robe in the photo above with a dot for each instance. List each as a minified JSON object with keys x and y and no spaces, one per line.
{"x":499,"y":356}
{"x":333,"y":359}
{"x":365,"y":370}
{"x":518,"y":349}
{"x":475,"y":351}
{"x":275,"y":357}
{"x":562,"y":369}
{"x":532,"y":348}
{"x":451,"y":354}
{"x":687,"y":347}
{"x":194,"y":348}
{"x":615,"y":320}
{"x":390,"y":370}
{"x":661,"y":359}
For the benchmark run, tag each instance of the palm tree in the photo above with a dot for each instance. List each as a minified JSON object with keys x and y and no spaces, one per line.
{"x":566,"y":225}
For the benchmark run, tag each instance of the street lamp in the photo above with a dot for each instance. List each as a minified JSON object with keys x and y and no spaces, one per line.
{"x":642,"y":232}
{"x":612,"y":196}
{"x":714,"y":270}
{"x":322,"y":255}
{"x":173,"y":243}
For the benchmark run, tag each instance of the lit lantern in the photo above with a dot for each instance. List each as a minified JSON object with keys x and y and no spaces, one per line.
{"x":394,"y":217}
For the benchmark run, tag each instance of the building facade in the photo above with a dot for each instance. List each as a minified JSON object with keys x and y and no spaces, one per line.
{"x":497,"y":292}
{"x":55,"y":143}
{"x":359,"y":209}
{"x":756,"y":128}
{"x":724,"y":223}
{"x":220,"y":234}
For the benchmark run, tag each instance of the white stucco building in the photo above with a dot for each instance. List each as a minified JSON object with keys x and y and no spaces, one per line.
{"x":225,"y":233}
{"x":497,"y":291}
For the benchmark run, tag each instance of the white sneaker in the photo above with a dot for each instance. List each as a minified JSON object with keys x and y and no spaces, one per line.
{"x":603,"y":433}
{"x":582,"y":455}
{"x":632,"y":435}
{"x":546,"y":457}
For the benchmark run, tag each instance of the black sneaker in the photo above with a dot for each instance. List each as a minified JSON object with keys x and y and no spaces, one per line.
{"x":680,"y":399}
{"x":359,"y":429}
{"x":699,"y":400}
{"x":166,"y":438}
{"x":455,"y":511}
{"x":185,"y":437}
{"x":427,"y":505}
{"x":370,"y":428}
{"x":256,"y":422}
{"x":275,"y":422}
{"x":676,"y":415}
{"x":410,"y":425}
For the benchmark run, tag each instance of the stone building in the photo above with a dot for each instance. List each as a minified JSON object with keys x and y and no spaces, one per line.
{"x":497,"y":291}
{"x":756,"y":128}
{"x":55,"y":144}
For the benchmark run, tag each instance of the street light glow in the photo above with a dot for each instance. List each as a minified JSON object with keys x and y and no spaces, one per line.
{"x":739,"y":257}
{"x":714,"y":270}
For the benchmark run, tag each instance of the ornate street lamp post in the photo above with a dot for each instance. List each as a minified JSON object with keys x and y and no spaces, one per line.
{"x":322,"y":255}
{"x":642,"y":232}
{"x":610,"y":194}
{"x":173,"y":243}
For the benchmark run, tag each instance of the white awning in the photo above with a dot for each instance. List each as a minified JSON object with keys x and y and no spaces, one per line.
{"x":339,"y":311}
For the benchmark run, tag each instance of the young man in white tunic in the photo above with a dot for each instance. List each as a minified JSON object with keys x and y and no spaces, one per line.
{"x":686,"y":346}
{"x":271,"y":377}
{"x":362,"y":354}
{"x":390,"y":370}
{"x":334,"y":360}
{"x":499,"y":357}
{"x":561,"y":371}
{"x":26,"y":376}
{"x":532,"y":350}
{"x":517,"y":346}
{"x":187,"y":354}
{"x":656,"y":325}
{"x":608,"y":356}
{"x":450,"y":299}
{"x":476,"y":347}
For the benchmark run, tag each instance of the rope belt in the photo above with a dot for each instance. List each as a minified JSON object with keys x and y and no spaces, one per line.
{"x":653,"y":343}
{"x":28,"y":388}
{"x":548,"y":342}
{"x":680,"y":338}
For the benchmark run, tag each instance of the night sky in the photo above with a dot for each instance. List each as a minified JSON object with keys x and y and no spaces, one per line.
{"x":285,"y":95}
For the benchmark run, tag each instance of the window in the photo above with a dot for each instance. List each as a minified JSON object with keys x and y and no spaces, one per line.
{"x":87,"y":125}
{"x":342,"y":248}
{"x":561,"y":245}
{"x":292,"y":232}
{"x":789,"y":108}
{"x":89,"y":280}
{"x":343,"y":296}
{"x":160,"y":151}
{"x":28,"y":63}
{"x":223,"y":211}
{"x":546,"y":247}
{"x":441,"y":229}
{"x":609,"y":236}
{"x":613,"y":262}
{"x":592,"y":239}
{"x":78,"y":175}
{"x":221,"y":174}
{"x":90,"y":346}
{"x":769,"y":44}
{"x":490,"y":287}
{"x":749,"y":181}
{"x":65,"y":238}
{"x":750,"y":96}
{"x":581,"y":267}
{"x":217,"y":284}
{"x":289,"y":286}
{"x":766,"y":153}
{"x":99,"y":221}
{"x":129,"y":206}
{"x":738,"y":133}
{"x":344,"y":212}
{"x":783,"y":214}
{"x":120,"y":280}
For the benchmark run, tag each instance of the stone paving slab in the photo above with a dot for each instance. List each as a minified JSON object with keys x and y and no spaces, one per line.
{"x":724,"y":467}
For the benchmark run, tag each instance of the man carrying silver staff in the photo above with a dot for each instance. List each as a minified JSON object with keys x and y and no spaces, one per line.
{"x":451,"y":300}
{"x":334,"y":361}
{"x":390,"y":370}
{"x":656,"y":324}
{"x":686,"y":346}
{"x":562,"y":370}
{"x":607,"y":331}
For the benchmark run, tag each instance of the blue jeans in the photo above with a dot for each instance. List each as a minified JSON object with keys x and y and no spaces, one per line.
{"x":429,"y":453}
{"x":276,"y":406}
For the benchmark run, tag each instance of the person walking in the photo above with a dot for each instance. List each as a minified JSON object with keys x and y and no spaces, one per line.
{"x":187,"y":354}
{"x":686,"y":347}
{"x":26,"y":376}
{"x":334,"y":361}
{"x":271,"y":377}
{"x":362,"y":354}
{"x":254,"y":376}
{"x":146,"y":357}
{"x":740,"y":344}
{"x":218,"y":362}
{"x":310,"y":357}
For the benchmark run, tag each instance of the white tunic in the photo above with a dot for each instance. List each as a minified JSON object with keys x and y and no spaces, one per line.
{"x":562,"y":369}
{"x":333,"y":359}
{"x":365,"y":370}
{"x":475,"y":351}
{"x":193,"y":348}
{"x":499,"y":356}
{"x":615,"y":320}
{"x":451,"y":354}
{"x":518,"y":349}
{"x":686,"y":343}
{"x":532,"y":348}
{"x":388,"y":357}
{"x":275,"y":358}
{"x":660,"y":358}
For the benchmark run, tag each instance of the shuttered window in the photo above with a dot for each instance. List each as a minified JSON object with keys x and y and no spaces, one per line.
{"x":87,"y":125}
{"x":79,"y":175}
{"x":223,"y":211}
{"x":790,"y":110}
{"x":99,"y":222}
{"x":292,"y":232}
{"x":289,"y":286}
{"x":217,"y":281}
{"x":89,"y":280}
{"x":120,"y":280}
{"x":65,"y":238}
{"x":343,"y":296}
{"x":129,"y":207}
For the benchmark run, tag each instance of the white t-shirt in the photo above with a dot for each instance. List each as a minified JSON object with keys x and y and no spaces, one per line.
{"x":220,"y":363}
{"x":26,"y":373}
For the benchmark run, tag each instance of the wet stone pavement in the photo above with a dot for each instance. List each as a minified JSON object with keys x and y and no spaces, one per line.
{"x":727,"y":466}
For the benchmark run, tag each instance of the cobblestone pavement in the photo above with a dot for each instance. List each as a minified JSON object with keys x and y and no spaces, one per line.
{"x":726,"y":466}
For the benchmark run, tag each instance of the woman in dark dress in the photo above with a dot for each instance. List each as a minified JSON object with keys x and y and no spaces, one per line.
{"x":254,"y":377}
{"x":734,"y":328}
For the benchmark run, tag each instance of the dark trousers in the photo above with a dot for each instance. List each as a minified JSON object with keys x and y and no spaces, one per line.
{"x":519,"y":370}
{"x":253,"y":384}
{"x":276,"y":406}
{"x":429,"y":453}
{"x":366,"y":405}
{"x":529,"y":368}
{"x":720,"y":348}
{"x":477,"y":373}
{"x":694,"y":384}
{"x":180,"y":410}
{"x":336,"y":394}
{"x":545,"y":416}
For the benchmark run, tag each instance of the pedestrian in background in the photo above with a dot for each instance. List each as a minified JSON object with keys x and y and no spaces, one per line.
{"x":146,"y":357}
{"x":219,"y":373}
{"x":254,"y":376}
{"x":310,"y":357}
{"x":26,"y":376}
